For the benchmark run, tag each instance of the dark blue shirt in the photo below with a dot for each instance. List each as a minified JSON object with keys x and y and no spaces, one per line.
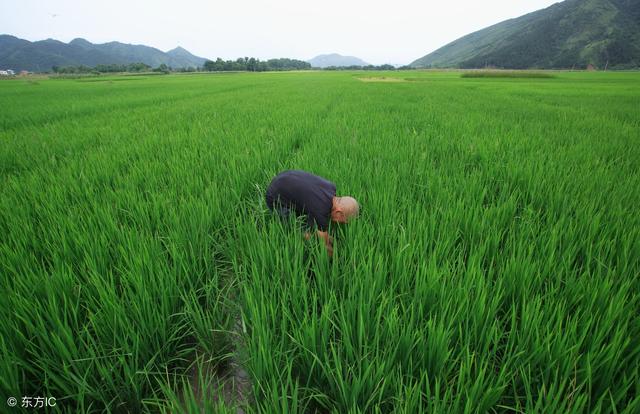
{"x":305,"y":193}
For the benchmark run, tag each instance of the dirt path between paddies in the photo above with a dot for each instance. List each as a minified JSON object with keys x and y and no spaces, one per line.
{"x":230,"y":383}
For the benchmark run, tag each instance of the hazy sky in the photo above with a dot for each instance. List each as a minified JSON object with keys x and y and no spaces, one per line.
{"x":379,"y":32}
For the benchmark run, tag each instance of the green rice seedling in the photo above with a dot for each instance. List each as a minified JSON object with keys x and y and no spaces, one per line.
{"x":493,"y":267}
{"x":506,"y":74}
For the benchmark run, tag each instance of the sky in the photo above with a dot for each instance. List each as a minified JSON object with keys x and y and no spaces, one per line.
{"x":396,"y":32}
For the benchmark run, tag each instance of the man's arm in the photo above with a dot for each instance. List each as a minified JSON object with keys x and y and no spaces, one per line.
{"x":328,"y":240}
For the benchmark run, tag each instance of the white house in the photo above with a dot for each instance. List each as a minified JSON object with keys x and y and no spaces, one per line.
{"x":7,"y":72}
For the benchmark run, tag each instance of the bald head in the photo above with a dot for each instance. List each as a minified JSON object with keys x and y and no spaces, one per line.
{"x":344,"y":209}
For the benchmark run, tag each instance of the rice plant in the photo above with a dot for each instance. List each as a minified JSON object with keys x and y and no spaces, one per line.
{"x":493,"y":268}
{"x":507,"y":74}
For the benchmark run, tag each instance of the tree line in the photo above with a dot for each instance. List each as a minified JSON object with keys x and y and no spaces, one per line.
{"x":240,"y":64}
{"x":112,"y":68}
{"x":255,"y":65}
{"x":245,"y":64}
{"x":367,"y":67}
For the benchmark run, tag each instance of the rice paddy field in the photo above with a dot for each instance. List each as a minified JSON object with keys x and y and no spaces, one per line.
{"x":494,"y":267}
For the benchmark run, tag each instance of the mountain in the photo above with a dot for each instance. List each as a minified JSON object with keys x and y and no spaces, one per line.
{"x":334,"y":59}
{"x":40,"y":56}
{"x":180,"y":54}
{"x":573,"y":33}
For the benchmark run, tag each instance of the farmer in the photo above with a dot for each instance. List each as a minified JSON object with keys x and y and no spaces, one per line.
{"x":302,"y":193}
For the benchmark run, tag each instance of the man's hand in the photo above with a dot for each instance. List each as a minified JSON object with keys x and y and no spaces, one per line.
{"x":328,"y":241}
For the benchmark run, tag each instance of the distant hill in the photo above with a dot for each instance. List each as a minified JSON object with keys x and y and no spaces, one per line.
{"x":19,"y":54}
{"x":334,"y":59}
{"x":574,"y":33}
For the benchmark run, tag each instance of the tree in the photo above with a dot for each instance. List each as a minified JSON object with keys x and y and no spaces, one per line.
{"x":162,"y":68}
{"x":254,"y":64}
{"x":209,"y":65}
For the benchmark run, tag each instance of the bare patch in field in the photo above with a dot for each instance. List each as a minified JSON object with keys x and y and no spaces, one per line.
{"x":229,"y":385}
{"x":381,"y":79}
